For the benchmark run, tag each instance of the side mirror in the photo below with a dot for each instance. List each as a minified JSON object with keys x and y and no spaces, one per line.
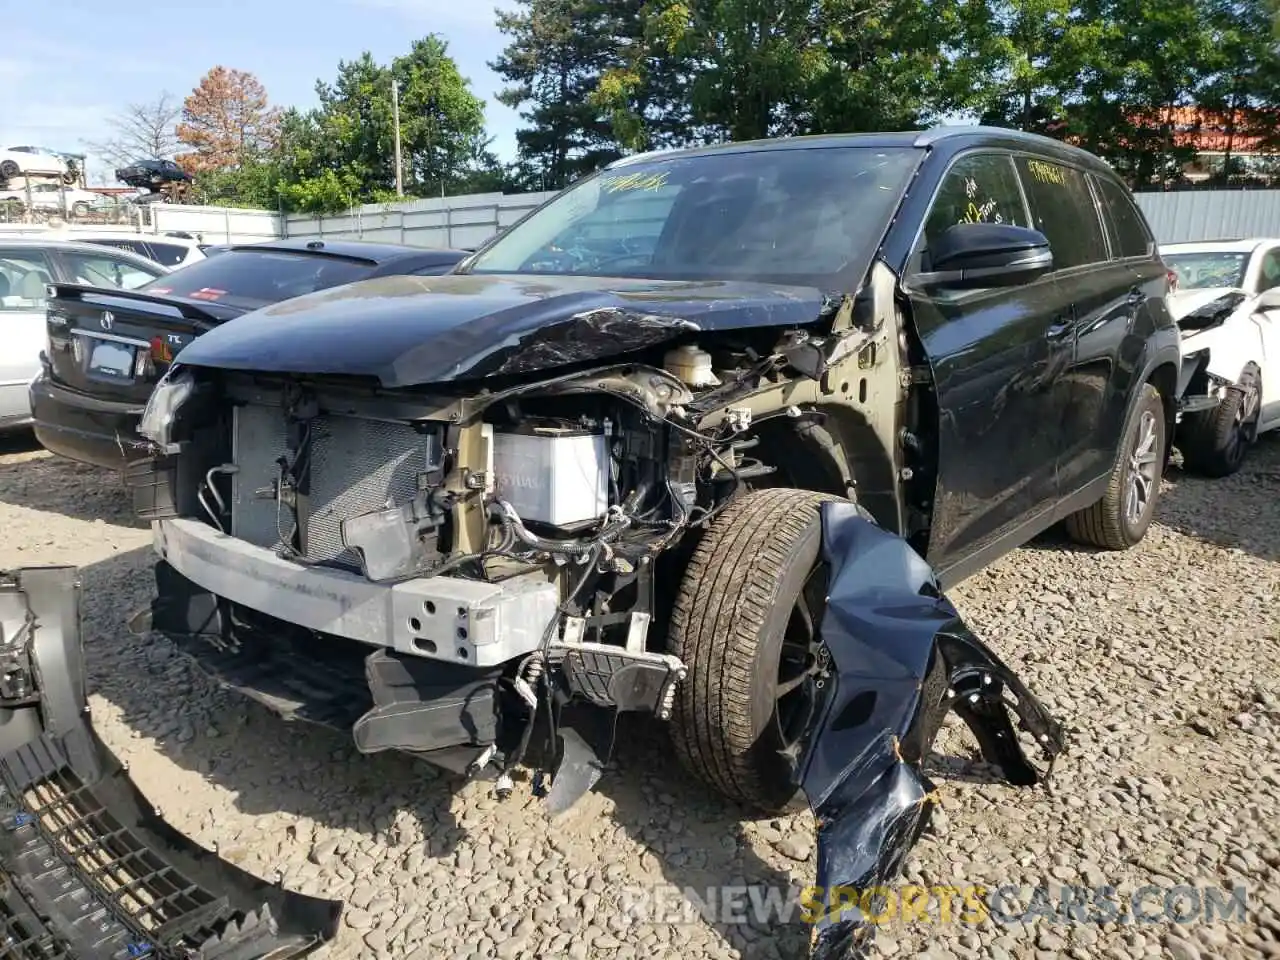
{"x":970,"y":256}
{"x":1269,"y":299}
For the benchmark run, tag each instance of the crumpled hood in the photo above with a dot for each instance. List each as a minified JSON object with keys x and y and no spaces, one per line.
{"x":1198,"y":309}
{"x":414,"y":330}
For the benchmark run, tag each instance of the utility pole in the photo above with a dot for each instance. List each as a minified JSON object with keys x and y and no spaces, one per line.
{"x":395,"y":113}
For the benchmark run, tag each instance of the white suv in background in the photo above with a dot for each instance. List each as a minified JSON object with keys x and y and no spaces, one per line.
{"x":171,"y":252}
{"x":1227,"y":301}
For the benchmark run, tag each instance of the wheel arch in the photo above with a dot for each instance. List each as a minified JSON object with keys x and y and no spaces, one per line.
{"x":1164,"y":377}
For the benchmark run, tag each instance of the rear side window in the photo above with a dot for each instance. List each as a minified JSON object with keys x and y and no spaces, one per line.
{"x":249,"y":279}
{"x":169,"y":254}
{"x":1269,"y":271}
{"x":107,"y":271}
{"x":133,"y":246}
{"x":1062,"y":209}
{"x":1129,"y":230}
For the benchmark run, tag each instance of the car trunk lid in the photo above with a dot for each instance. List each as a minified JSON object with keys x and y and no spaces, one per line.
{"x":116,"y":344}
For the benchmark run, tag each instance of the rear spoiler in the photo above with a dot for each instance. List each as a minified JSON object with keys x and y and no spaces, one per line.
{"x":90,"y":871}
{"x":189,"y":311}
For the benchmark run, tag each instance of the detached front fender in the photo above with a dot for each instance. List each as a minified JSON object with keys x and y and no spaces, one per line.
{"x":903,"y":659}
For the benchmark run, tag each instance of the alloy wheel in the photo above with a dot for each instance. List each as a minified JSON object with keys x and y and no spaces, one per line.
{"x":803,"y":664}
{"x":1144,"y":469}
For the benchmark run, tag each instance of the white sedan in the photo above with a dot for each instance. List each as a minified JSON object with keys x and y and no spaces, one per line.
{"x":36,"y":161}
{"x":1226,"y":300}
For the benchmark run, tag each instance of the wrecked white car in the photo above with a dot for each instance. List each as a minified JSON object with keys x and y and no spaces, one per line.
{"x":1227,"y":304}
{"x":686,"y":440}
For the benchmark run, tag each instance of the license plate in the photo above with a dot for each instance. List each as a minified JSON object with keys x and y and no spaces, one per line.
{"x":109,"y":359}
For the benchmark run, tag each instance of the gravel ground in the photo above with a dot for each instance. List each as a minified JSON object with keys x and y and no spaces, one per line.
{"x":1162,"y":661}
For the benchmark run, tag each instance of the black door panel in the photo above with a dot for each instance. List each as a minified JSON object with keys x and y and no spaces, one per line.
{"x":998,"y":359}
{"x":1107,"y":301}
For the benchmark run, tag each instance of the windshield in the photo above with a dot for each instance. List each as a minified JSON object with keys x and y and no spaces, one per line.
{"x":1203,"y":270}
{"x":784,"y":216}
{"x":249,"y":279}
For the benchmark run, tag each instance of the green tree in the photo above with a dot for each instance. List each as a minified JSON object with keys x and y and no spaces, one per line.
{"x":743,"y":69}
{"x":556,"y":54}
{"x":343,"y":152}
{"x":1240,"y":84}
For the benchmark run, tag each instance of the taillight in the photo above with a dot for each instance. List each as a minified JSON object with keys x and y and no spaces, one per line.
{"x":1172,"y":276}
{"x":160,"y":352}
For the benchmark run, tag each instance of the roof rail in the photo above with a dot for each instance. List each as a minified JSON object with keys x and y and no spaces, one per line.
{"x":646,"y":155}
{"x":941,"y":131}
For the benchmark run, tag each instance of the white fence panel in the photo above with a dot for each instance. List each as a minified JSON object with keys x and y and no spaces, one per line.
{"x":215,"y":224}
{"x":1181,"y":215}
{"x":465,"y":221}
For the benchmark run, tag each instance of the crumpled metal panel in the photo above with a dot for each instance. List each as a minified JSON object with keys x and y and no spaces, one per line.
{"x":903,"y":660}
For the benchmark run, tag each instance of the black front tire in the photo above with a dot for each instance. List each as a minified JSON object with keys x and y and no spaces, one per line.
{"x":738,"y":623}
{"x":1111,"y":523}
{"x":9,"y":169}
{"x":1214,"y":442}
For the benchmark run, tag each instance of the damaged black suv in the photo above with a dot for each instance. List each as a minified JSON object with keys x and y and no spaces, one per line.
{"x":616,"y":461}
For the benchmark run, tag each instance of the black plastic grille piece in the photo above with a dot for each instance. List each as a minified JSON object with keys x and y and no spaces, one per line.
{"x":90,"y":874}
{"x":22,"y":935}
{"x":315,"y":678}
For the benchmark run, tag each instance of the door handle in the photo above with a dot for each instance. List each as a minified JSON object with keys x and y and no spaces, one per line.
{"x":1060,"y":329}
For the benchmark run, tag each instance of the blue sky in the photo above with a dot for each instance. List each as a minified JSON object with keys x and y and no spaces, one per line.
{"x":68,"y":67}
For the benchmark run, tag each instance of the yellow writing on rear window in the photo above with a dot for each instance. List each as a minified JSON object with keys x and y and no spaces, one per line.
{"x":1047,"y":172}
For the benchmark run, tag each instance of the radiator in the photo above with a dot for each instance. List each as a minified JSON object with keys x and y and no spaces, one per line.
{"x":357,"y":466}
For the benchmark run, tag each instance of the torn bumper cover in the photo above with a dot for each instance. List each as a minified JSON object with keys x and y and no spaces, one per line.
{"x":88,"y":870}
{"x":904,"y":659}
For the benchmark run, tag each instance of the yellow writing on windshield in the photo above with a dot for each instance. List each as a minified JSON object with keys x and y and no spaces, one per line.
{"x":1046,"y":172}
{"x":635,"y":181}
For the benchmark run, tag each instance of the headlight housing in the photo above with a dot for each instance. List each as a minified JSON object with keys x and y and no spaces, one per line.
{"x":170,"y":393}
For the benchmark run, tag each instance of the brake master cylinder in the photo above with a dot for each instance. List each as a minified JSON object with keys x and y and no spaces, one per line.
{"x":691,"y":365}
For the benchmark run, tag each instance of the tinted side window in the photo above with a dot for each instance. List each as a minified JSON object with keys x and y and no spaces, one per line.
{"x":1062,"y":209}
{"x":133,"y":246}
{"x":977,"y":189}
{"x":1130,"y":232}
{"x":169,"y":254}
{"x":1269,"y":274}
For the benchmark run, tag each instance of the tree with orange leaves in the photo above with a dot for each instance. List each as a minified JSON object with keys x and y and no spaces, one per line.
{"x":227,"y":121}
